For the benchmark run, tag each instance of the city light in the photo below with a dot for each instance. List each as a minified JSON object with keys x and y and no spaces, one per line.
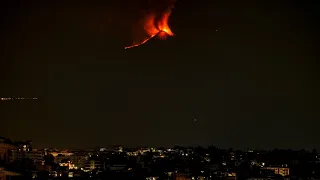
{"x":17,"y":98}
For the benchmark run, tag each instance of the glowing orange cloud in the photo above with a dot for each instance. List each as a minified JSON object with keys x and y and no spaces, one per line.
{"x":152,"y":25}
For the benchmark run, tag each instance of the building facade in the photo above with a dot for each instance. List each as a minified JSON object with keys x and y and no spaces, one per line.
{"x":6,"y":151}
{"x":279,"y":170}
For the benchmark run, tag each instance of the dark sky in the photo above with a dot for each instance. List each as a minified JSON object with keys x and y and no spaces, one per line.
{"x":246,"y":70}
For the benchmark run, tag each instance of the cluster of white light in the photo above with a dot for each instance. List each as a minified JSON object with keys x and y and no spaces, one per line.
{"x":16,"y":98}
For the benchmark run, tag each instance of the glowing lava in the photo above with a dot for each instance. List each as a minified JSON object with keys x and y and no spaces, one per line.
{"x":162,"y":35}
{"x":153,"y":24}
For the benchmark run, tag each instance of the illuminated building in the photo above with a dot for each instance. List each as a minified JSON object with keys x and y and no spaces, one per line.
{"x":63,"y":153}
{"x":24,"y":146}
{"x":92,"y":165}
{"x":79,"y":161}
{"x":74,"y":161}
{"x":231,"y":176}
{"x":151,"y":178}
{"x":68,"y":164}
{"x":279,"y":170}
{"x":118,"y":149}
{"x":35,"y":156}
{"x":182,"y":176}
{"x":102,"y":149}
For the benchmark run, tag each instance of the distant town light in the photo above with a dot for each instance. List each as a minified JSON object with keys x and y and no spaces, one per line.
{"x":17,"y":98}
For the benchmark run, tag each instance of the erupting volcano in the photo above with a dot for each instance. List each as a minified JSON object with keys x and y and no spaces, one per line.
{"x":151,"y":25}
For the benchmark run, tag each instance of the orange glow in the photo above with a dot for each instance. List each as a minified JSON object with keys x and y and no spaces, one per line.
{"x":163,"y":24}
{"x":152,"y":26}
{"x":162,"y":35}
{"x":149,"y":25}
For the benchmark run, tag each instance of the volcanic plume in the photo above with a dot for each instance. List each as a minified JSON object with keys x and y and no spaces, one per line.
{"x":154,"y":23}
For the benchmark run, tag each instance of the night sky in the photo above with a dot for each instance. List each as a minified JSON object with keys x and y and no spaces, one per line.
{"x":245,"y":70}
